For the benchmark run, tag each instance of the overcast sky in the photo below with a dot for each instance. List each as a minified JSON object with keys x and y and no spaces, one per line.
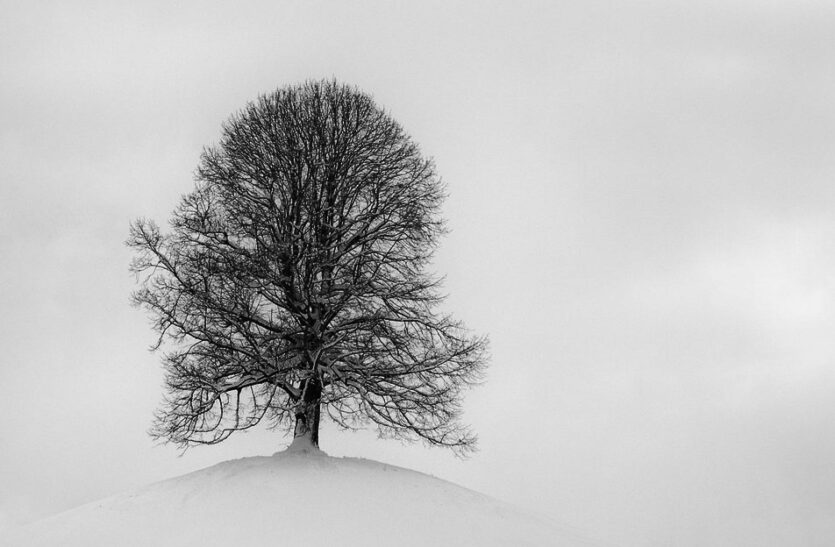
{"x":643,"y":220}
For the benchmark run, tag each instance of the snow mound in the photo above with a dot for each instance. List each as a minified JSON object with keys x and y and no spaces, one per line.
{"x":296,"y":498}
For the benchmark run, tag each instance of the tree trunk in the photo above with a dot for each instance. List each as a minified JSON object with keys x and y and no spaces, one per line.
{"x":307,"y":414}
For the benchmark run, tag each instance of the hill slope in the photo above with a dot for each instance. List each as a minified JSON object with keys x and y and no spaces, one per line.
{"x":295,"y":498}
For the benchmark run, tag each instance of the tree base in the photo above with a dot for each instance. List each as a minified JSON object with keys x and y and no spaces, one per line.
{"x":303,"y":445}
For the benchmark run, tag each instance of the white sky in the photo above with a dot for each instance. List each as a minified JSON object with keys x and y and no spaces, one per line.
{"x":642,"y":209}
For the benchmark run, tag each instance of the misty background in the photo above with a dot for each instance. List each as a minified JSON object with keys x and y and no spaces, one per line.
{"x":642,"y":218}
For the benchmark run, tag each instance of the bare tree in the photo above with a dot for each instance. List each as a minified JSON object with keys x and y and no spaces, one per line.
{"x":293,"y":280}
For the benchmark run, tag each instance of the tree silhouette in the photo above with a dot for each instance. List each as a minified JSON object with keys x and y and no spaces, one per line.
{"x":293,"y":280}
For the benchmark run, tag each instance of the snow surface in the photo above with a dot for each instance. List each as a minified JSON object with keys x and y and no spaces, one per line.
{"x":299,"y":497}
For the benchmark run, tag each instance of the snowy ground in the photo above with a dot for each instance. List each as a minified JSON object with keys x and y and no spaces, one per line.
{"x":296,"y":498}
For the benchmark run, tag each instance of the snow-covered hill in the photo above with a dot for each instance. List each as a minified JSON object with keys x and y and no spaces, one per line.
{"x":293,"y":499}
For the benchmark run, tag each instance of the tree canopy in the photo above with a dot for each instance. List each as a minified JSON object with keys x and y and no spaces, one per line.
{"x":293,"y":280}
